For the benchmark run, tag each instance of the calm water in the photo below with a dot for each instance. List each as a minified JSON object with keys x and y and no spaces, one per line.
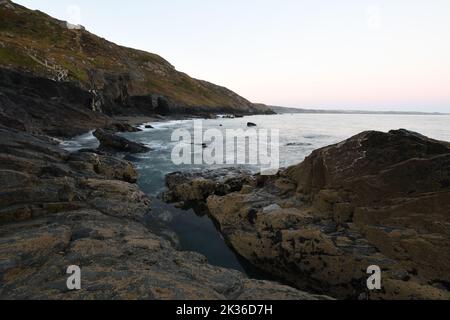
{"x":300,"y":134}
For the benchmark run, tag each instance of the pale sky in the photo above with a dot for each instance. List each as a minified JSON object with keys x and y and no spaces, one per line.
{"x":346,"y":54}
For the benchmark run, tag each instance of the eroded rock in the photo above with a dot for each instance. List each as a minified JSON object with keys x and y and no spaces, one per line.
{"x":59,"y":209}
{"x":111,"y":142}
{"x":375,"y":199}
{"x":199,"y":185}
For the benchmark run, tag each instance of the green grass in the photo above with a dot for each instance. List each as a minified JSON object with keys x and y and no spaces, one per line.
{"x":79,"y":52}
{"x":13,"y":57}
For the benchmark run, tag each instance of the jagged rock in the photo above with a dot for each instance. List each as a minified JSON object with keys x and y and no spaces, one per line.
{"x":114,"y":143}
{"x":108,"y":167}
{"x":119,"y":259}
{"x":59,"y":209}
{"x":199,"y":185}
{"x":375,"y":199}
{"x":38,"y":177}
{"x":42,"y":106}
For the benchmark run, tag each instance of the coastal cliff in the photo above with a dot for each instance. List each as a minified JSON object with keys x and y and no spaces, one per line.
{"x":58,"y":208}
{"x":375,"y":199}
{"x":119,"y":80}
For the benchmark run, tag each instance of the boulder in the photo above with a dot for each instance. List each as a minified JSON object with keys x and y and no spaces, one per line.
{"x":113,"y":143}
{"x":42,"y":106}
{"x":251,"y":124}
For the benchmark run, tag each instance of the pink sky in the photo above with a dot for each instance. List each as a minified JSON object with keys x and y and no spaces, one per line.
{"x":353,"y":54}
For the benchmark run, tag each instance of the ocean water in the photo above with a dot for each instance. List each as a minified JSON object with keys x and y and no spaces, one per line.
{"x":84,"y":141}
{"x":300,"y":134}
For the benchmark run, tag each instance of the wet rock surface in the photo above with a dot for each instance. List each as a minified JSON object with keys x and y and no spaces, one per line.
{"x":185,"y":187}
{"x":110,"y":142}
{"x":375,"y":199}
{"x":59,"y":209}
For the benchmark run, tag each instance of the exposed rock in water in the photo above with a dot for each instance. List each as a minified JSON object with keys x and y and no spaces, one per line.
{"x":199,"y":185}
{"x":251,"y":124}
{"x":376,"y":199}
{"x":59,"y":209}
{"x":121,"y":127}
{"x":123,"y":81}
{"x":113,"y":143}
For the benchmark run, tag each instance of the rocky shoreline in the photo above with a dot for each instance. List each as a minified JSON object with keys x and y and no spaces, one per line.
{"x":59,"y":209}
{"x":376,"y":199}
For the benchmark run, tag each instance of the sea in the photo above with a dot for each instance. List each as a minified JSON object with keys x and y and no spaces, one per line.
{"x":298,"y":136}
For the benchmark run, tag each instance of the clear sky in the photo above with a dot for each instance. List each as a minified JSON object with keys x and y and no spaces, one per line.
{"x":352,"y":54}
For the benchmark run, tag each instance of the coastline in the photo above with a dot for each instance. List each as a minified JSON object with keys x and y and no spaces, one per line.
{"x":60,"y":209}
{"x":112,"y":184}
{"x":320,"y":224}
{"x":124,"y":178}
{"x":141,"y":120}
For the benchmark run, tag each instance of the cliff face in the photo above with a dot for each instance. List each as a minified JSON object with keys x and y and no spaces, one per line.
{"x":34,"y":42}
{"x":42,"y":106}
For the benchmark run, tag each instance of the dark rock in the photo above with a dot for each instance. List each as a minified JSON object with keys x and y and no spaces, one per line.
{"x":251,"y":124}
{"x":113,"y":143}
{"x":59,"y":209}
{"x":374,"y":199}
{"x":149,"y":127}
{"x":26,"y":104}
{"x":199,"y":185}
